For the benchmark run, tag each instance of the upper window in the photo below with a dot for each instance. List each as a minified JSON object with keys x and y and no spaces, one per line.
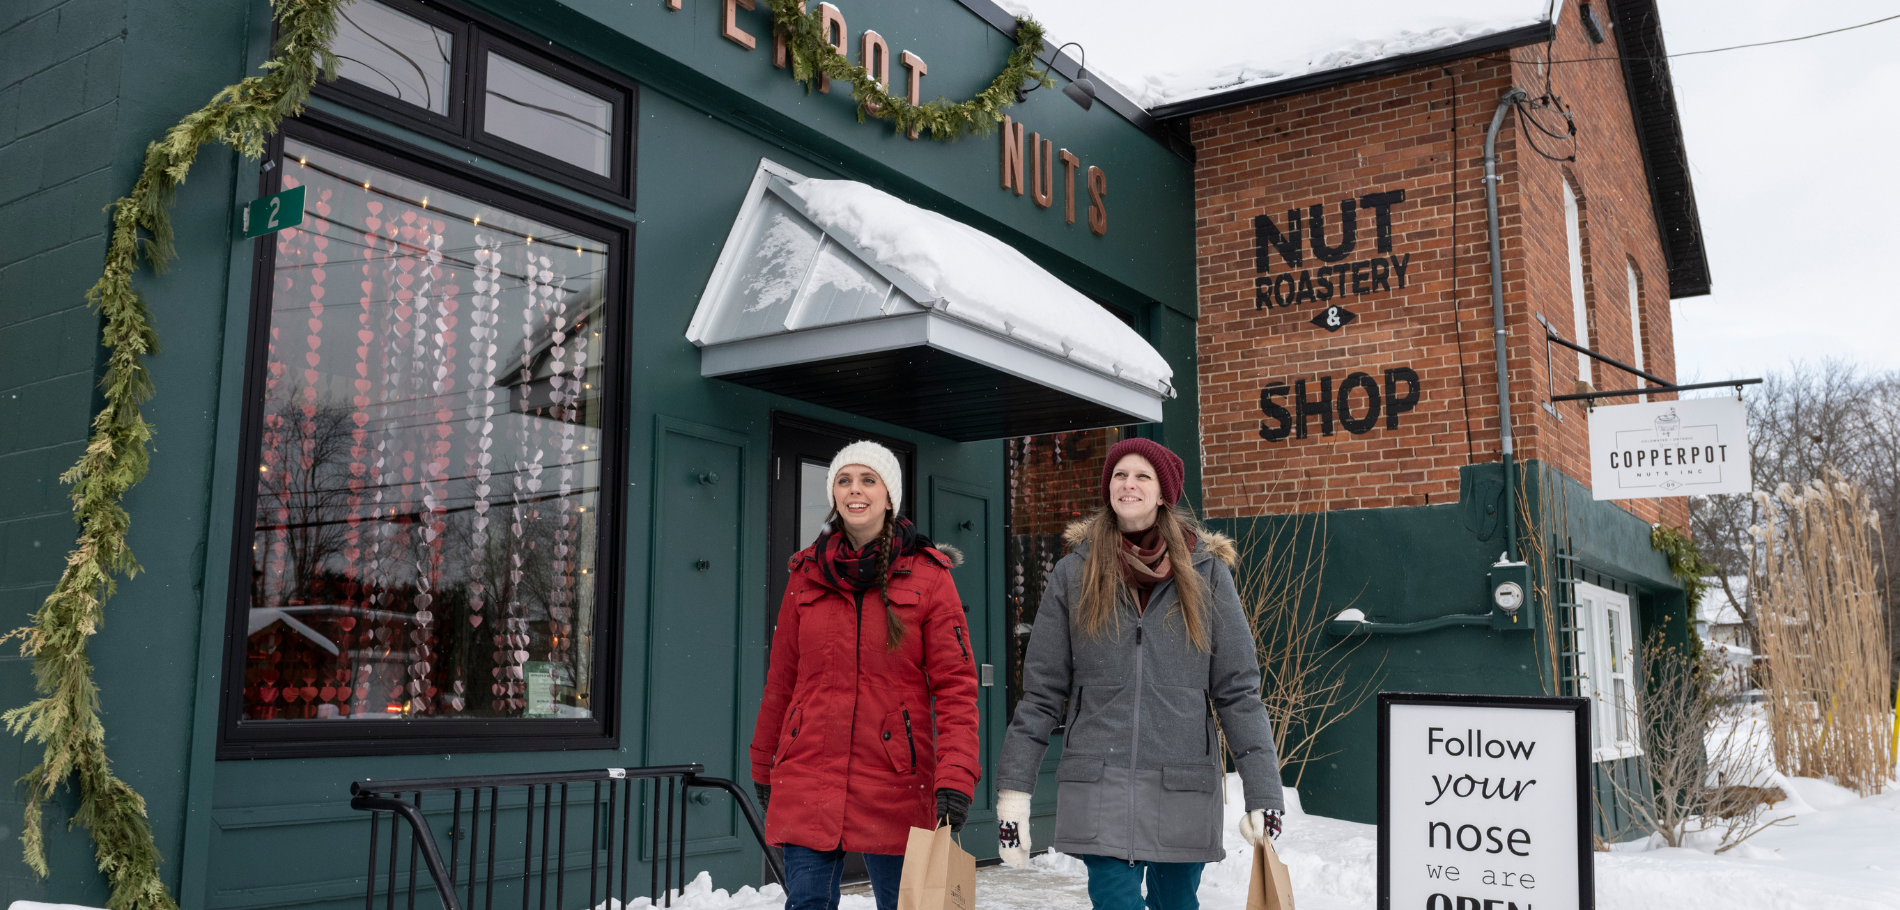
{"x":1579,"y":305}
{"x":460,"y":77}
{"x":537,"y":111}
{"x":401,"y":56}
{"x":1637,"y":341}
{"x":428,"y":523}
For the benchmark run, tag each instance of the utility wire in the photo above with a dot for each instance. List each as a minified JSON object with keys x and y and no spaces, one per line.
{"x":1713,"y":50}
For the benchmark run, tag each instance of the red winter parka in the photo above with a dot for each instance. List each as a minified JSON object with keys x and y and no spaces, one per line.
{"x":846,"y":736}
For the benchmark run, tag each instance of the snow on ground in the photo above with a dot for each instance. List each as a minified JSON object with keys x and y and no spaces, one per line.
{"x":985,"y":281}
{"x":1166,"y":53}
{"x":1841,"y":853}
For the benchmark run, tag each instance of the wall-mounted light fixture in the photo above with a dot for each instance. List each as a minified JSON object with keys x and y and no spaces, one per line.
{"x":1592,"y":26}
{"x":1080,"y":90}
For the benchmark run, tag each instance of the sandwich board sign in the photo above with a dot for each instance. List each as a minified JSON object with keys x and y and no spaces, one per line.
{"x":1484,"y":803}
{"x":1648,"y":450}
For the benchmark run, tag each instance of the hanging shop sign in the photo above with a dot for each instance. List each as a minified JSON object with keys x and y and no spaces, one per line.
{"x":1338,"y":269}
{"x":1649,"y":450}
{"x":1359,"y":403}
{"x":1484,"y":803}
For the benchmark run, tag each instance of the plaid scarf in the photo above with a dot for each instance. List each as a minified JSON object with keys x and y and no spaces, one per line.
{"x":854,"y":569}
{"x":1145,"y":561}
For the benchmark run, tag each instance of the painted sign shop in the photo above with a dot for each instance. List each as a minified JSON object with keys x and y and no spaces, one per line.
{"x":1484,"y":803}
{"x":1030,"y":155}
{"x":1653,"y":449}
{"x":1333,"y":273}
{"x":1359,"y":404}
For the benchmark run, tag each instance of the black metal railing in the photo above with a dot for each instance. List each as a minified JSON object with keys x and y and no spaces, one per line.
{"x":523,"y":838}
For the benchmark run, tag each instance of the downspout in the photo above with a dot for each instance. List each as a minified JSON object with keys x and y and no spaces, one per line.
{"x":1510,"y":98}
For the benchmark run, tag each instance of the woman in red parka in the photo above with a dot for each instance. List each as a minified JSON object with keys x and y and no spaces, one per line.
{"x":868,"y":727}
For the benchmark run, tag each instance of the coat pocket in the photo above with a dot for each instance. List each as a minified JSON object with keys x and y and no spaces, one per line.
{"x":900,"y":739}
{"x":1188,"y":806}
{"x":788,"y":735}
{"x":1078,"y":783}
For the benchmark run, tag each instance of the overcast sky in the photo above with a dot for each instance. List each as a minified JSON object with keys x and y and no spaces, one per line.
{"x":1793,"y":150}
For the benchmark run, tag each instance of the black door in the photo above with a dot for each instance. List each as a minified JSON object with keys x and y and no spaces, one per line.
{"x":801,"y":493}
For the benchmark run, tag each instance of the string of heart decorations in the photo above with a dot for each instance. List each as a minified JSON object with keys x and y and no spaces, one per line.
{"x":64,"y":717}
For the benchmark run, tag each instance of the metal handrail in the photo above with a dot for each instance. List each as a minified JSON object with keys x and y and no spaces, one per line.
{"x":668,"y":867}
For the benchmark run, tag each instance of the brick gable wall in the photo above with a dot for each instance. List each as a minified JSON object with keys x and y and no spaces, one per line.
{"x":1420,"y":132}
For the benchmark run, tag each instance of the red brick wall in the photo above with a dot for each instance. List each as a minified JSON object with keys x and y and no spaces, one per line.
{"x":1421,"y":132}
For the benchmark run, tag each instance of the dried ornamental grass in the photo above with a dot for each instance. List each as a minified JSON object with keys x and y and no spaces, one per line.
{"x":1820,"y":629}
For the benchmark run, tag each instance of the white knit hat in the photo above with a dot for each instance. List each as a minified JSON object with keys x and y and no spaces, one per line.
{"x":877,"y":458}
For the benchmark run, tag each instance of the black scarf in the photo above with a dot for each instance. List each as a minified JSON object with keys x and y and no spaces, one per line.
{"x":855,"y":569}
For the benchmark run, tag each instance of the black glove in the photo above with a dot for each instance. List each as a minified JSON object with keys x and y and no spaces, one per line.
{"x":952,"y":809}
{"x":765,"y":795}
{"x":1273,"y":824}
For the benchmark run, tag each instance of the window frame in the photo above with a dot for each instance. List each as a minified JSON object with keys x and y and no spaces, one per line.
{"x":449,"y":124}
{"x":475,"y":35}
{"x":1597,"y":604}
{"x":241,"y":739}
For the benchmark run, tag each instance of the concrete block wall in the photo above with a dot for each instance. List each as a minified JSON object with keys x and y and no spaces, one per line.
{"x":1420,"y":132}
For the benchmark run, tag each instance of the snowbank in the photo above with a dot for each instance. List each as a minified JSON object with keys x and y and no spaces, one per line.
{"x":1842,"y":853}
{"x":984,"y":280}
{"x":1174,"y":52}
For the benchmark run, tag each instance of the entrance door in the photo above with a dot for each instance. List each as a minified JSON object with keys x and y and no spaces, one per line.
{"x":1604,"y":635}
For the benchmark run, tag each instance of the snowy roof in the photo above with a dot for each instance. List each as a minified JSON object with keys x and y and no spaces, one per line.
{"x":834,"y":272}
{"x":1177,"y":52}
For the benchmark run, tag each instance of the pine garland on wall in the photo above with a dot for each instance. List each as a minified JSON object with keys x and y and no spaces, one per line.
{"x":66,"y":715}
{"x":65,"y":718}
{"x":811,"y":55}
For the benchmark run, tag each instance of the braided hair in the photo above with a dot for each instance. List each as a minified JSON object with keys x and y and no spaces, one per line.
{"x":894,"y":626}
{"x":886,"y":543}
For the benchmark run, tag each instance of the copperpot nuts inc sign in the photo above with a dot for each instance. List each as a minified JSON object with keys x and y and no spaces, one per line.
{"x":1484,"y":803}
{"x":1692,"y":447}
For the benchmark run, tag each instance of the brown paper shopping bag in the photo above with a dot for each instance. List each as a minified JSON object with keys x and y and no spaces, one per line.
{"x":1271,"y":888}
{"x":938,"y":875}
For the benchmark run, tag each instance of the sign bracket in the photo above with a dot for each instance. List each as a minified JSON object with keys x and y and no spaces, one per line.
{"x":1661,"y":385}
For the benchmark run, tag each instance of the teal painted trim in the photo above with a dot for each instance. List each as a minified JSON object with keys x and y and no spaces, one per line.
{"x":201,"y":771}
{"x":1347,"y":628}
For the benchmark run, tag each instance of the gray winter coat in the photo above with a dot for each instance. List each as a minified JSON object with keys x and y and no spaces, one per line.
{"x":1141,"y":766}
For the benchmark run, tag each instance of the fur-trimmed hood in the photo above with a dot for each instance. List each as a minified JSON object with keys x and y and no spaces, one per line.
{"x":1213,"y":543}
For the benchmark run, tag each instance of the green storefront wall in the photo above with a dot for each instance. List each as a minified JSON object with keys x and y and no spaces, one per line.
{"x":1404,"y":565}
{"x":279,"y":832}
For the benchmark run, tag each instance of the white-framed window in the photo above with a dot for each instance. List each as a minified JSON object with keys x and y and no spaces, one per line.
{"x":1636,"y":321}
{"x":1604,"y":638}
{"x":1580,"y":310}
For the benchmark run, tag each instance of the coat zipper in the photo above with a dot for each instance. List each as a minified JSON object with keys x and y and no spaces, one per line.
{"x":910,"y":739}
{"x":960,"y":645}
{"x":857,"y":657}
{"x":1134,"y":748}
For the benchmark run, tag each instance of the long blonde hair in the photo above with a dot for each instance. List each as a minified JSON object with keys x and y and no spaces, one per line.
{"x":1103,"y":585}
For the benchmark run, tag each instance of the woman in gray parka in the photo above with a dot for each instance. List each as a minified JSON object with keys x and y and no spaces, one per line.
{"x":1144,"y":655}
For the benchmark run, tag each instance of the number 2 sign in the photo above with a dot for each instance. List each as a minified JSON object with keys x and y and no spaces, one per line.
{"x":273,"y":213}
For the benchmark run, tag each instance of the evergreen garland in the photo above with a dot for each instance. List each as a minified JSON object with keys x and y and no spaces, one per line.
{"x":810,"y":54}
{"x":244,"y":116}
{"x":66,"y":715}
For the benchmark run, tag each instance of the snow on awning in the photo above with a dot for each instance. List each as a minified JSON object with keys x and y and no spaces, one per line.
{"x":833,"y":292}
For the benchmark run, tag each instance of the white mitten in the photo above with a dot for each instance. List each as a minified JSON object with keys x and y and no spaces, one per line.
{"x":1258,"y":825}
{"x":1012,"y":827}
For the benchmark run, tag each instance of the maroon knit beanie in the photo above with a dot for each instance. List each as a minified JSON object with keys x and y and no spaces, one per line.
{"x":1168,"y":467}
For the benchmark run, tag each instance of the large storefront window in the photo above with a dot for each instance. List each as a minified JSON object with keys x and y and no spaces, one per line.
{"x":1053,"y":481}
{"x":426,"y":541}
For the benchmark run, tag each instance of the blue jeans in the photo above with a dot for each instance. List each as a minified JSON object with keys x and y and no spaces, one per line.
{"x":812,"y":876}
{"x":1115,"y":884}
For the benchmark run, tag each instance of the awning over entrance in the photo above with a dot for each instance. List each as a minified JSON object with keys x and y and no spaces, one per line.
{"x":836,"y":293}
